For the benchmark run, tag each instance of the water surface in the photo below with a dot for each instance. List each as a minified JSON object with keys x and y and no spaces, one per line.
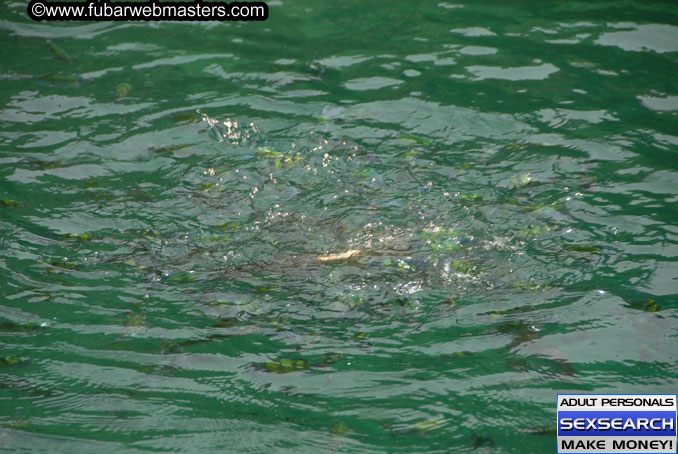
{"x":507,"y":173}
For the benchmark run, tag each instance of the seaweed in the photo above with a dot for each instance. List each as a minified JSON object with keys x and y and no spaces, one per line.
{"x":535,"y":231}
{"x":165,"y":149}
{"x":8,"y":203}
{"x":647,"y":305}
{"x":184,"y":117}
{"x":429,"y":424}
{"x":421,"y":140}
{"x":134,"y":320}
{"x":18,"y":327}
{"x":9,"y":361}
{"x":469,"y":199}
{"x":583,"y":248}
{"x":122,"y":90}
{"x":466,"y":267}
{"x":77,"y":236}
{"x":399,"y":264}
{"x":60,"y":78}
{"x":339,"y":428}
{"x":58,"y":52}
{"x":285,"y":365}
{"x":64,"y":265}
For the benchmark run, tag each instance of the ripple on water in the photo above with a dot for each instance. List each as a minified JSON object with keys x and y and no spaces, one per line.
{"x":375,"y":236}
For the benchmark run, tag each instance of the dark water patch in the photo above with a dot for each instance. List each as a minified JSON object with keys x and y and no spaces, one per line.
{"x":395,"y":230}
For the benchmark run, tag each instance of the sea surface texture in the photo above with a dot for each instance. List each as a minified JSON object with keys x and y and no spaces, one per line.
{"x":356,"y":227}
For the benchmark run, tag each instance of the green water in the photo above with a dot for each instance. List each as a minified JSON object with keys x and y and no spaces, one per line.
{"x":507,"y":170}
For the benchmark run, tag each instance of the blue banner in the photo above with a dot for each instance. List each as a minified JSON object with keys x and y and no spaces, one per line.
{"x":617,"y":423}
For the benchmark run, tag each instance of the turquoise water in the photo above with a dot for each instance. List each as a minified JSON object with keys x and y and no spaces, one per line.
{"x":357,"y":227}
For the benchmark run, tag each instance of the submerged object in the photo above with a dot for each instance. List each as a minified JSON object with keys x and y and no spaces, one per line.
{"x":60,"y":78}
{"x":342,"y":256}
{"x":58,"y":52}
{"x":122,"y":90}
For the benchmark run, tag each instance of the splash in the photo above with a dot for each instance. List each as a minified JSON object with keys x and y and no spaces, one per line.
{"x":229,"y":130}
